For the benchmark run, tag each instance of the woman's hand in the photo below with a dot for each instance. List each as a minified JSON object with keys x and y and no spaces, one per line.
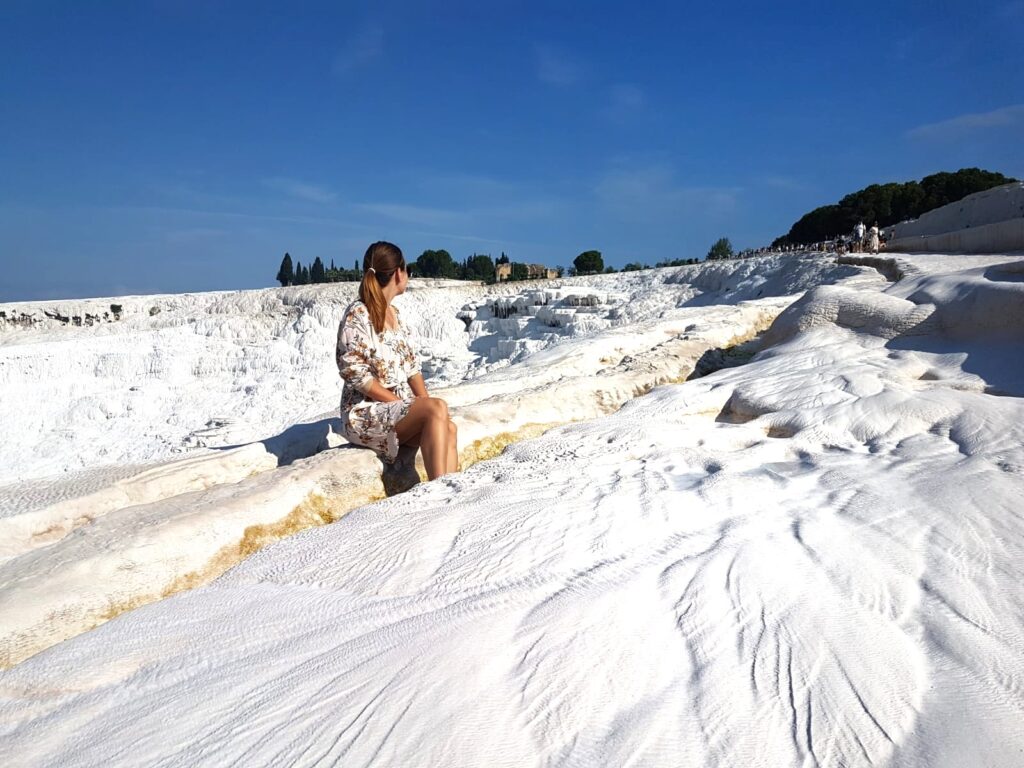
{"x":381,"y":394}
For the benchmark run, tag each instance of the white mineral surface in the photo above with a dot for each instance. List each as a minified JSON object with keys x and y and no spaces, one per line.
{"x":812,"y":556}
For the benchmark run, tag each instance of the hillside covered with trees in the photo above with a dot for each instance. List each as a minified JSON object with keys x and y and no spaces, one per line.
{"x":887,"y":204}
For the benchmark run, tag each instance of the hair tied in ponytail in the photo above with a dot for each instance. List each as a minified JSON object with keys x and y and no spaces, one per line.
{"x":371,"y":293}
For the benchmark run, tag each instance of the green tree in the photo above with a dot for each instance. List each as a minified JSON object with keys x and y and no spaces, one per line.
{"x":519,"y":271}
{"x":503,"y":259}
{"x":316,"y":274}
{"x":634,"y":266}
{"x":298,"y":273}
{"x":887,"y":204}
{"x":436,"y":264}
{"x":589,"y":263}
{"x":722,"y":249}
{"x":479,"y":267}
{"x":286,"y":273}
{"x":609,"y":270}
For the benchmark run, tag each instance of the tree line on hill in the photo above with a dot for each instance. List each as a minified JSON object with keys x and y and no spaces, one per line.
{"x":298,"y":274}
{"x":479,"y":267}
{"x":887,"y":204}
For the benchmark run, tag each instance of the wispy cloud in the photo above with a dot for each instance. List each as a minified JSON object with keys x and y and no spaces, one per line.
{"x":415,"y":214}
{"x":781,"y":182}
{"x":625,"y":96}
{"x":625,"y":101}
{"x":556,"y":67}
{"x":963,"y":125}
{"x":362,"y":48}
{"x":301,"y":190}
{"x":463,"y":185}
{"x":189,"y":235}
{"x":651,"y":193}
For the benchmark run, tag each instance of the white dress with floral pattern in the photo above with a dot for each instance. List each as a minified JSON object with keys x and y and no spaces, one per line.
{"x":364,"y":355}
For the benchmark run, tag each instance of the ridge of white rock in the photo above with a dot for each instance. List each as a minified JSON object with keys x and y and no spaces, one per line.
{"x":990,"y":221}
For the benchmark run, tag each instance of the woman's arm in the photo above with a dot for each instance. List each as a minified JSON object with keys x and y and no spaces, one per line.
{"x":353,"y":356}
{"x":379,"y":392}
{"x":416,"y":384}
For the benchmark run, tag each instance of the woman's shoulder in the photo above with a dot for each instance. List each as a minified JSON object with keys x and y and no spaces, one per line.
{"x":356,"y":316}
{"x":357,"y":310}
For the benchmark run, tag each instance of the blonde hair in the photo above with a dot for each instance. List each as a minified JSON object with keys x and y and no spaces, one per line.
{"x":381,"y":261}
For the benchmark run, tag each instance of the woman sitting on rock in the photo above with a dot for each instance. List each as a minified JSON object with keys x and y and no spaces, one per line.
{"x":384,"y":402}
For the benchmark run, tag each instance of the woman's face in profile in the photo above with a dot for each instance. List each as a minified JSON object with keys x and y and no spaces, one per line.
{"x":401,"y":279}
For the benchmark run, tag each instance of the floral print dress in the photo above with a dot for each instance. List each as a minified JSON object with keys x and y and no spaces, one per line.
{"x":364,"y":355}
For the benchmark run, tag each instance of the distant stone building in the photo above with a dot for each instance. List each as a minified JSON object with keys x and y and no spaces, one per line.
{"x":533,"y":272}
{"x":540,"y":272}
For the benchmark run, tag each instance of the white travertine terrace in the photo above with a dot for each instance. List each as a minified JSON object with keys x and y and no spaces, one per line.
{"x":814,"y":557}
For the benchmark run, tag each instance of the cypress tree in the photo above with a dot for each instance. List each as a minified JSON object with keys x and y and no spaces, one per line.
{"x":316,"y":274}
{"x":285,"y":275}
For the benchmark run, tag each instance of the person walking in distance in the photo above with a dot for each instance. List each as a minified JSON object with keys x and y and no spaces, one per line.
{"x":873,"y":238}
{"x":858,"y":238}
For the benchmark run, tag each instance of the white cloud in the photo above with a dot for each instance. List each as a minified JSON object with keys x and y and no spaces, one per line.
{"x":556,"y":67}
{"x":963,"y":125}
{"x":301,"y":190}
{"x":362,"y":48}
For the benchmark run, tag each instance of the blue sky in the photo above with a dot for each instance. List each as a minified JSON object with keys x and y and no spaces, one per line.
{"x":172,"y":146}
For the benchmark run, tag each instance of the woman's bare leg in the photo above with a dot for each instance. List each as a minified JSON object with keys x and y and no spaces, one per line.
{"x":453,"y":447}
{"x":427,"y":421}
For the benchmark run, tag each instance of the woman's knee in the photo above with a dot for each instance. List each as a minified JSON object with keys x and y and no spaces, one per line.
{"x":438,"y":408}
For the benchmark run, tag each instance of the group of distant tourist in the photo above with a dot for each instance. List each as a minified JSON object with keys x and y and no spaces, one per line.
{"x":861,"y":240}
{"x":864,"y":239}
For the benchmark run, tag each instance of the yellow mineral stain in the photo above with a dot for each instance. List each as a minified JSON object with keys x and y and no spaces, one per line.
{"x":489,"y":447}
{"x":315,"y":510}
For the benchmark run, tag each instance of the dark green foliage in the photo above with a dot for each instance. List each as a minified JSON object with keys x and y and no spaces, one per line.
{"x":285,"y":275}
{"x":503,"y":259}
{"x":335,"y":275}
{"x":676,"y":262}
{"x":436,"y":264}
{"x":589,"y":263}
{"x":887,"y":204}
{"x":634,"y":266}
{"x":722,"y":249}
{"x":316,"y":274}
{"x":610,"y":270}
{"x":520,"y":271}
{"x":478,"y":267}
